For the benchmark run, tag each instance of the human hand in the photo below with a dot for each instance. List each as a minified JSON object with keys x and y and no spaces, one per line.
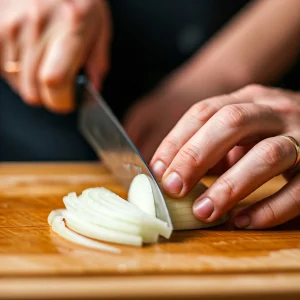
{"x":49,"y":41}
{"x":241,"y":132}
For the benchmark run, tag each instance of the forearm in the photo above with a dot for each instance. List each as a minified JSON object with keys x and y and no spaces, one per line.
{"x":259,"y":45}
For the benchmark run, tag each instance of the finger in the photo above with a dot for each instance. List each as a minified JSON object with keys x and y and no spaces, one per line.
{"x":189,"y":124}
{"x":98,"y":63}
{"x":214,"y":140}
{"x":33,"y":47}
{"x":274,"y":210}
{"x":62,"y":60}
{"x":231,"y":159}
{"x":11,"y":54}
{"x":266,"y":160}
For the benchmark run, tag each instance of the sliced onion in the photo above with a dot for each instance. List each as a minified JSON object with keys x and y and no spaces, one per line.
{"x":93,"y":231}
{"x":102,"y":220}
{"x":126,"y":212}
{"x":58,"y":226}
{"x":102,"y":215}
{"x":53,"y":215}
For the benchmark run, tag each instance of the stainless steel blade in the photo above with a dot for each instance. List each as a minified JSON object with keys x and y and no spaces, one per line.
{"x":108,"y":138}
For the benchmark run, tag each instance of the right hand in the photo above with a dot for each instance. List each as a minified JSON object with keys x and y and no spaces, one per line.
{"x":52,"y":40}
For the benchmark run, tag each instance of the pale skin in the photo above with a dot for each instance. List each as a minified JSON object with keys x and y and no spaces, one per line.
{"x":257,"y":46}
{"x":52,"y":40}
{"x":242,"y":133}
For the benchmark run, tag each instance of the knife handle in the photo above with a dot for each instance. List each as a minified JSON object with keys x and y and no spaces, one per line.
{"x":80,"y":82}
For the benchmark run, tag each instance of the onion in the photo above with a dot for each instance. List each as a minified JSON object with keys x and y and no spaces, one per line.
{"x":140,"y":194}
{"x":181,"y":211}
{"x":85,"y":228}
{"x":99,"y":214}
{"x":102,"y":215}
{"x":58,"y":226}
{"x":102,"y":220}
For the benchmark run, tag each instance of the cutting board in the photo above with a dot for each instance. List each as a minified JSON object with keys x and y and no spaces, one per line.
{"x":211,"y":262}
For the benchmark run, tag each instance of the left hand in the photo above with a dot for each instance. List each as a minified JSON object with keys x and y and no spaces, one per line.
{"x":242,"y":133}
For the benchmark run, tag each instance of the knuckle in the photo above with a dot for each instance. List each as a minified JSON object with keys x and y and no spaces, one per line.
{"x":35,"y":14}
{"x":201,"y":112}
{"x":168,"y":148}
{"x":51,"y":80}
{"x":253,"y":89}
{"x":171,"y":146}
{"x":190,"y":157}
{"x":269,"y":215}
{"x":11,"y":27}
{"x":233,"y":116}
{"x":84,"y":10}
{"x":36,"y":19}
{"x":273,"y":151}
{"x":228,"y":188}
{"x":286,"y":104}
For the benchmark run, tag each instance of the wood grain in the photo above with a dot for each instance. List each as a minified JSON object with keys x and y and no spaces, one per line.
{"x":31,"y":253}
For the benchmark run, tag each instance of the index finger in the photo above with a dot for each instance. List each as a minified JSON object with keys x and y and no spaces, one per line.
{"x":187,"y":126}
{"x":62,"y":60}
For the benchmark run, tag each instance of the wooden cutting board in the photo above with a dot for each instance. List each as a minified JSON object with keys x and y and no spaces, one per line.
{"x":211,"y":262}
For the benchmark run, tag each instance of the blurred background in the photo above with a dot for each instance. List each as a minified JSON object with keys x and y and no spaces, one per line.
{"x":150,"y":40}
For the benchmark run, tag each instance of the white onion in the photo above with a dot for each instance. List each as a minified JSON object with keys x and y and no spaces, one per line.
{"x":58,"y":226}
{"x":140,"y":194}
{"x":75,"y":223}
{"x":125,"y":211}
{"x":102,"y":220}
{"x":102,"y":215}
{"x":181,"y":210}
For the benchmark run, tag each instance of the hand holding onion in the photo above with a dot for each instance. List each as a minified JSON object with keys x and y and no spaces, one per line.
{"x":240,"y":135}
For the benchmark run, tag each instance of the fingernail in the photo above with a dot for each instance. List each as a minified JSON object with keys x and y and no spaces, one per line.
{"x":203,"y":208}
{"x":173,"y":183}
{"x":159,"y":169}
{"x":242,"y":221}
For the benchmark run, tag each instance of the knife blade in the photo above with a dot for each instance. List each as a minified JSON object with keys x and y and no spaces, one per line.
{"x":109,"y":140}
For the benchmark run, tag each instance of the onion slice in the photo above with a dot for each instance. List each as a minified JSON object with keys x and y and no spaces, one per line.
{"x":140,"y":194}
{"x":75,"y":223}
{"x":58,"y":226}
{"x":125,"y":211}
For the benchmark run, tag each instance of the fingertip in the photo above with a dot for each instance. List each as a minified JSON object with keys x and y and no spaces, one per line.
{"x":172,"y":184}
{"x":31,"y":99}
{"x":30,"y":95}
{"x":243,"y":221}
{"x":158,"y":169}
{"x":59,"y":100}
{"x":203,"y":209}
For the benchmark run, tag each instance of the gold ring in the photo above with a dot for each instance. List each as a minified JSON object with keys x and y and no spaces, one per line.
{"x":297,"y":148}
{"x":12,"y":67}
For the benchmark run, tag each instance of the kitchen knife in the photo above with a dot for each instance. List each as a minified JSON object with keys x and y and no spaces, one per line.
{"x":109,"y":140}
